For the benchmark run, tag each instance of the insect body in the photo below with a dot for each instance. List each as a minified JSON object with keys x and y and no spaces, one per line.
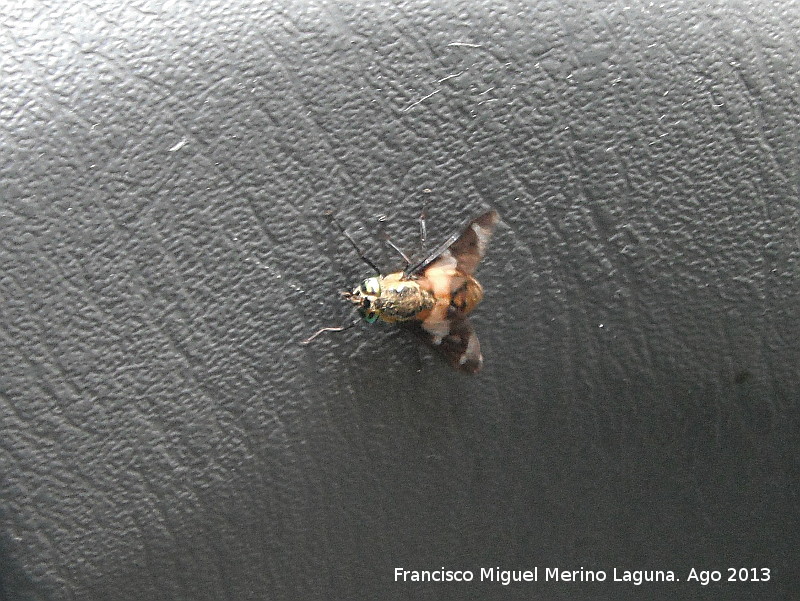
{"x":434,"y":296}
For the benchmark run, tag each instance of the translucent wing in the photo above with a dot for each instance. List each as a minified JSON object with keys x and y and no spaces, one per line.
{"x":455,"y":338}
{"x":448,"y":271}
{"x":462,"y":252}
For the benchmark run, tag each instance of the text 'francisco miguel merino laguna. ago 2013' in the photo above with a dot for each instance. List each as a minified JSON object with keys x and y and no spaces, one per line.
{"x":506,"y":577}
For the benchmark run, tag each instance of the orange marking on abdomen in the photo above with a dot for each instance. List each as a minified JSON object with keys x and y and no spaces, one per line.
{"x":440,"y":282}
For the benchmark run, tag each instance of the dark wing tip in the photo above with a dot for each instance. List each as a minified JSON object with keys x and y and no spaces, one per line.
{"x":467,"y":247}
{"x":471,"y":245}
{"x":457,"y":341}
{"x":486,"y":222}
{"x":488,"y":219}
{"x":471,"y":366}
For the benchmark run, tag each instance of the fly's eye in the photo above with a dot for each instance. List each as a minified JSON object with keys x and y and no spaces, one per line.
{"x":367,"y":304}
{"x":371,"y":317}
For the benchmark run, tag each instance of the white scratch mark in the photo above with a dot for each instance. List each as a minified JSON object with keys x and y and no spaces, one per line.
{"x":179,"y":145}
{"x":443,"y":79}
{"x":423,"y":99}
{"x":465,"y":44}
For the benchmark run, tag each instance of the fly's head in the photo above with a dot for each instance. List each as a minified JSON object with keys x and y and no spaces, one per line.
{"x":365,"y":297}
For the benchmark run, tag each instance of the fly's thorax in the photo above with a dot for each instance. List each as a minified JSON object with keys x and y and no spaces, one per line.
{"x":390,"y":298}
{"x":402,"y":299}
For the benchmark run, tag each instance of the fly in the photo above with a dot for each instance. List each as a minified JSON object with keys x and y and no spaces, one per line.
{"x":432,"y":297}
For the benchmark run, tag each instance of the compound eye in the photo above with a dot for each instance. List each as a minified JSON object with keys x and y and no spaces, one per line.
{"x":371,"y":317}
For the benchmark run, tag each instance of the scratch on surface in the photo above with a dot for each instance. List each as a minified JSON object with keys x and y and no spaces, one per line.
{"x":444,"y":79}
{"x":465,"y":44}
{"x":179,"y":145}
{"x":275,"y":272}
{"x":421,"y":100}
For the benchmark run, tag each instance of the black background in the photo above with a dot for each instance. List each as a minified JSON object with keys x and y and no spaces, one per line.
{"x":165,"y":172}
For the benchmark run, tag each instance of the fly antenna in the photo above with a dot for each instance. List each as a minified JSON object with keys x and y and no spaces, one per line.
{"x":361,"y":254}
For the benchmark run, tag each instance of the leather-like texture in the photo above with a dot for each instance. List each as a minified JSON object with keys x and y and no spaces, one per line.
{"x":164,"y":250}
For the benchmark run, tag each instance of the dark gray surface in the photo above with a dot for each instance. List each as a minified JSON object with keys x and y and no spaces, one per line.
{"x":163,"y":252}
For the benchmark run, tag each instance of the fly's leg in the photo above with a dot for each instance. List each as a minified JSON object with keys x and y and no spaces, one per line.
{"x":423,"y":234}
{"x":399,"y":250}
{"x":329,"y":329}
{"x":358,"y":250}
{"x":423,"y":230}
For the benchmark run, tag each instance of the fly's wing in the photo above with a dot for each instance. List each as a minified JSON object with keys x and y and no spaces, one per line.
{"x":456,"y":340}
{"x":446,"y":269}
{"x":463,"y":252}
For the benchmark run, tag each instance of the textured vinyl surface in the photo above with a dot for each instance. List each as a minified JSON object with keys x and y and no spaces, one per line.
{"x":165,"y":172}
